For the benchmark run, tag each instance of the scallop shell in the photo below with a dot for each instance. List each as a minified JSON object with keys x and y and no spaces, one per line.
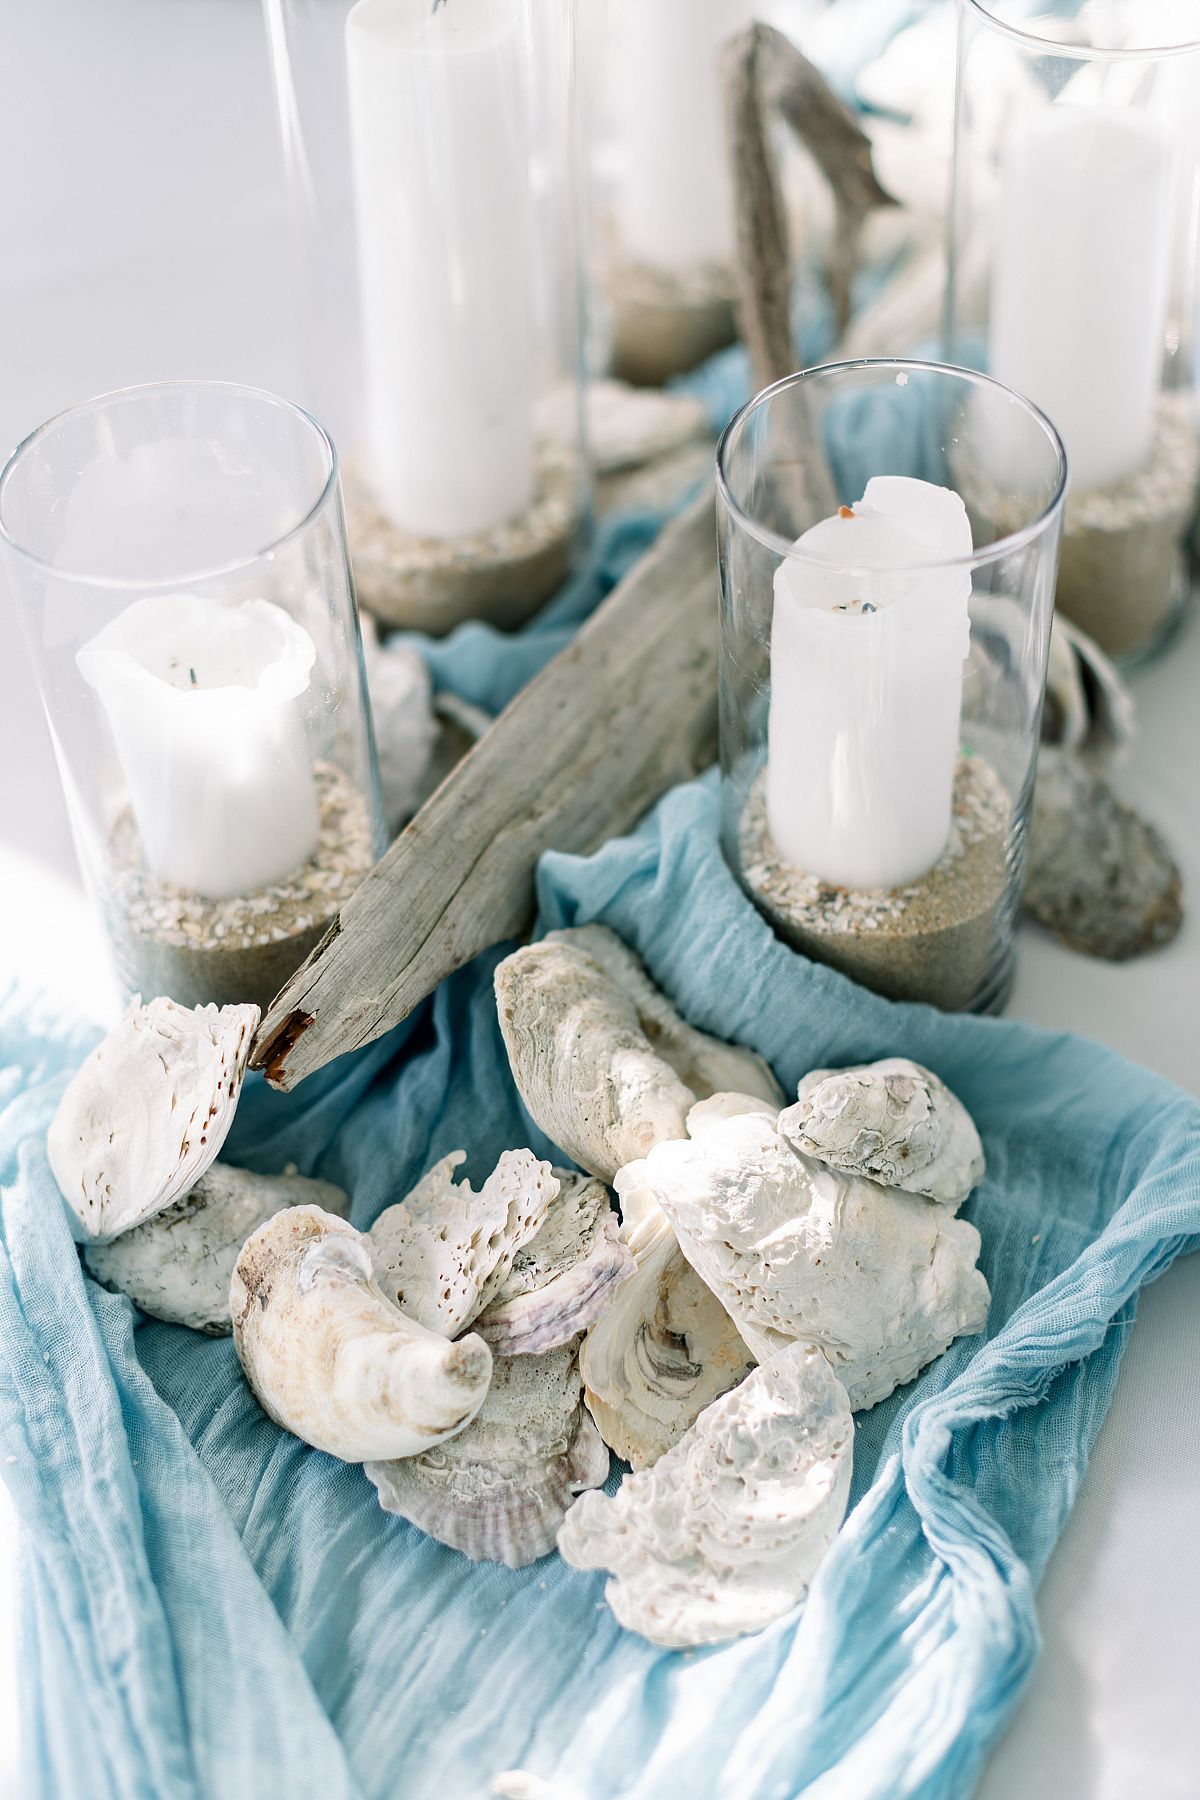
{"x":563,"y":1278}
{"x":661,"y":1353}
{"x":445,"y":1251}
{"x":331,"y":1359}
{"x":500,"y":1490}
{"x":603,"y":1062}
{"x":148,"y":1111}
{"x":177,"y":1266}
{"x":726,"y":1531}
{"x":881,"y":1281}
{"x":893,"y":1122}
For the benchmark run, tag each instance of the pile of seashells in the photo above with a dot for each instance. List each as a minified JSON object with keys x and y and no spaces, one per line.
{"x":774,"y":1269}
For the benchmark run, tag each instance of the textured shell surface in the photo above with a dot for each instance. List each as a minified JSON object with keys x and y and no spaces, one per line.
{"x":661,"y":1353}
{"x":178,"y":1265}
{"x":331,"y":1359}
{"x":892,"y":1121}
{"x":445,"y":1251}
{"x":564,"y":1277}
{"x":147,"y":1112}
{"x":880,"y":1280}
{"x":602,"y":1061}
{"x":402,"y":713}
{"x":726,"y":1531}
{"x":1088,"y":707}
{"x":500,"y":1490}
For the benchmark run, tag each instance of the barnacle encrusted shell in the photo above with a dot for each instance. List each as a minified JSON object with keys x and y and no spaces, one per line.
{"x":501,"y":1488}
{"x":331,"y":1359}
{"x":563,"y":1278}
{"x":148,"y":1111}
{"x":602,"y":1060}
{"x":664,"y":1349}
{"x":443,"y":1252}
{"x":726,"y":1531}
{"x":177,"y":1266}
{"x":891,"y":1121}
{"x":881,"y":1281}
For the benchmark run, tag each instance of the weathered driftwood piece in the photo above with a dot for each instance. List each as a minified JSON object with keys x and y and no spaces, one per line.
{"x":765,"y":74}
{"x":624,"y":712}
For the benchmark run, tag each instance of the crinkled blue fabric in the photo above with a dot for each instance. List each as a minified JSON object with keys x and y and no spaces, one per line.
{"x":210,"y":1608}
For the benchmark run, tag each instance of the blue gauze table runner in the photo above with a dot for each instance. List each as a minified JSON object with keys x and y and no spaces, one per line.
{"x":210,"y":1608}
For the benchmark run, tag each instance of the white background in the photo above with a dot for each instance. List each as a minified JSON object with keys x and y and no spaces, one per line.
{"x":145,"y":237}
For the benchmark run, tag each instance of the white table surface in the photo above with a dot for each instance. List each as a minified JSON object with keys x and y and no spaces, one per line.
{"x":146,"y":238}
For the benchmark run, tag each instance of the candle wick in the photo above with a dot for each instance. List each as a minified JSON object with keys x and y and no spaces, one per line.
{"x":192,"y":677}
{"x":868,"y":607}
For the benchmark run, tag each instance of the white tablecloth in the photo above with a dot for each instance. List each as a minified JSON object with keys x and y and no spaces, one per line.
{"x":146,"y":238}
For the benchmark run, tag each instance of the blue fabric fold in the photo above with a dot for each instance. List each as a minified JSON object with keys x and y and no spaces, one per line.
{"x":212,"y":1608}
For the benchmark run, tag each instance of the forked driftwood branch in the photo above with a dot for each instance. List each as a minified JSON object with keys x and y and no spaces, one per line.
{"x":627,"y":710}
{"x":766,"y":76}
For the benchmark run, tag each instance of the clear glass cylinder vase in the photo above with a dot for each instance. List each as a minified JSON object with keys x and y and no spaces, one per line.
{"x":1073,"y":253}
{"x":883,"y":660}
{"x":433,"y":162}
{"x":177,"y":554}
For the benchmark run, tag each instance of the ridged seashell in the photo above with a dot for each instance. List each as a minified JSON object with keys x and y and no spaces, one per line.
{"x":500,"y":1490}
{"x":661,"y":1353}
{"x":1087,"y":708}
{"x":148,"y":1111}
{"x":879,"y":1280}
{"x":602,"y":1060}
{"x":177,"y":1266}
{"x":443,"y":1252}
{"x":726,"y":1531}
{"x":331,"y":1359}
{"x":893,"y":1122}
{"x":563,"y":1278}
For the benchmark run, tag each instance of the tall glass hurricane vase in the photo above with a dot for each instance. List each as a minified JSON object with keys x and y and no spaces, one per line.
{"x":1073,"y":246}
{"x":883,"y":658}
{"x":434,"y":171}
{"x":178,"y":557}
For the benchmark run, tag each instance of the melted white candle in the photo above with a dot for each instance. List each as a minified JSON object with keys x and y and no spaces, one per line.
{"x":203,"y":701}
{"x":867,"y":653}
{"x":440,"y":125}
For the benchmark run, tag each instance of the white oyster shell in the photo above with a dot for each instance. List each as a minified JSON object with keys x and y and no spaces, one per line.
{"x":891,"y":1121}
{"x":402,"y":710}
{"x":726,"y":1531}
{"x":148,"y":1111}
{"x":443,"y":1252}
{"x":661,"y":1353}
{"x":563,"y":1278}
{"x":501,"y":1488}
{"x":602,"y":1060}
{"x":1088,"y":706}
{"x":331,"y":1359}
{"x":177,"y":1266}
{"x":881,"y":1281}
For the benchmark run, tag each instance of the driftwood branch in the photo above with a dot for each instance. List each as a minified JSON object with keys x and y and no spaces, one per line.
{"x":627,"y":710}
{"x":765,"y":75}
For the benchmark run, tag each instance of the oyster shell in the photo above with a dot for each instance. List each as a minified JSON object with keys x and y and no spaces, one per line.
{"x":501,"y":1488}
{"x":443,"y":1252}
{"x":331,"y":1359}
{"x":402,"y":710}
{"x":563,"y":1278}
{"x":177,"y":1266}
{"x":602,"y":1060}
{"x":881,"y":1281}
{"x":661,"y":1353}
{"x":1087,"y":708}
{"x":148,"y":1111}
{"x":893,"y":1122}
{"x":726,"y":1531}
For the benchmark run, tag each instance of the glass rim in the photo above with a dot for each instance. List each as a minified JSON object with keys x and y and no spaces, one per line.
{"x":1003,"y":546}
{"x":184,"y":577}
{"x":1052,"y":46}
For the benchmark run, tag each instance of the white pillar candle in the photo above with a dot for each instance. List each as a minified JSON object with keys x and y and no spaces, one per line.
{"x":202,"y":700}
{"x":1079,"y":295}
{"x":867,"y":653}
{"x":441,"y":133}
{"x":674,"y":199}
